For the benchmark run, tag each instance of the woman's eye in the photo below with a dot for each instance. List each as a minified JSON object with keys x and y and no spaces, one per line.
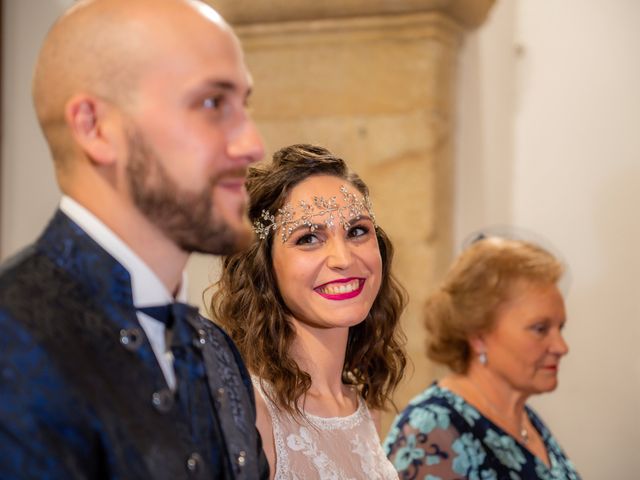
{"x":307,"y":239}
{"x":540,"y":328}
{"x":357,"y":231}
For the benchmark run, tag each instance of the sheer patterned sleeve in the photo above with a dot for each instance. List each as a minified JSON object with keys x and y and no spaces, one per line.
{"x":423,"y":444}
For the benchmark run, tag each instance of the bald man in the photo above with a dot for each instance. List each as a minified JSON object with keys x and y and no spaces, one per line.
{"x":104,"y":371}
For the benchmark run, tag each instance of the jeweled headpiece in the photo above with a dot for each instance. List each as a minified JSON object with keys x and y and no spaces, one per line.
{"x":353,"y":207}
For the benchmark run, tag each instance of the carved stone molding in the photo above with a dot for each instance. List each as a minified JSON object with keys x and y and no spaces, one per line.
{"x":356,"y":29}
{"x":364,"y":66}
{"x":374,"y":81}
{"x":468,"y":13}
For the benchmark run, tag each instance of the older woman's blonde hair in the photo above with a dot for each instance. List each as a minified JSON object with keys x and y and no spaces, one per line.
{"x":480,"y":279}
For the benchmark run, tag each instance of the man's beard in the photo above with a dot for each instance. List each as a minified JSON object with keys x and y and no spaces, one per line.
{"x":187,"y":218}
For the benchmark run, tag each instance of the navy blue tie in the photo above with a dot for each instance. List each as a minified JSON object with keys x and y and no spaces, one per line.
{"x":191,"y":385}
{"x":162,"y":313}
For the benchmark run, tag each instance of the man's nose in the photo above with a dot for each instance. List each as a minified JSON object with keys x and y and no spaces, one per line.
{"x":245,"y":142}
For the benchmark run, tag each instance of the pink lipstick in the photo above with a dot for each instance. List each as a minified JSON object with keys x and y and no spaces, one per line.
{"x":342,"y":289}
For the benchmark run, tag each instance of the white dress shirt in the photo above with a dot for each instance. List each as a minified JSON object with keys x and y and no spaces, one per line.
{"x":146,"y":287}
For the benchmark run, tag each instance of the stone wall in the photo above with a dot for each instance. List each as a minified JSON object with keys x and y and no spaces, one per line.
{"x":374,"y":82}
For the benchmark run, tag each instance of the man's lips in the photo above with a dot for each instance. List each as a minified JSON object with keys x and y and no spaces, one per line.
{"x":231,"y":183}
{"x":232,"y":179}
{"x":341,"y":289}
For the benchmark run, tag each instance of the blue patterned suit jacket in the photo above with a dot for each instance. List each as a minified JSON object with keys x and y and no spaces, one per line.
{"x":81,"y":393}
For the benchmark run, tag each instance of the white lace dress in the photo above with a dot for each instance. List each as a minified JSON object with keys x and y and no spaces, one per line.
{"x":336,"y":448}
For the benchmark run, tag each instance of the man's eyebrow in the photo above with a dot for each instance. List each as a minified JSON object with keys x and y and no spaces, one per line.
{"x":227,"y":86}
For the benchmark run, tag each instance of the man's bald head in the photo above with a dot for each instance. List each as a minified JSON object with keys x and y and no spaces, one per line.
{"x":101,"y":48}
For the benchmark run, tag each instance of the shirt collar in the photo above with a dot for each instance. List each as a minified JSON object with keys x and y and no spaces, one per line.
{"x":146,"y":287}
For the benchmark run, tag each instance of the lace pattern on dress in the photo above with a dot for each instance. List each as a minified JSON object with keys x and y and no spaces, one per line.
{"x":282,"y":460}
{"x":326,"y":448}
{"x":340,"y":423}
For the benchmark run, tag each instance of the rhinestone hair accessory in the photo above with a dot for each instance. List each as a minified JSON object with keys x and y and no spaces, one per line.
{"x":354,"y":206}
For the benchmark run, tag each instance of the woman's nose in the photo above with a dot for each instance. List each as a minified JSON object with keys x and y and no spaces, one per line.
{"x":339,"y":255}
{"x":559,"y":346}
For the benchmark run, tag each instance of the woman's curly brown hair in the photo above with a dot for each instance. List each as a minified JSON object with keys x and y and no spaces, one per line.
{"x":248,"y":305}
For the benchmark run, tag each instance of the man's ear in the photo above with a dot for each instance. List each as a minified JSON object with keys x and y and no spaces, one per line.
{"x":88,"y":121}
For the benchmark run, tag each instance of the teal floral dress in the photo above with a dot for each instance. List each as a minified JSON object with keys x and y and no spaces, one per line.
{"x":439,"y":436}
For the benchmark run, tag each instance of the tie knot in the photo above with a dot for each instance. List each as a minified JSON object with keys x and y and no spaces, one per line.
{"x":169,"y":312}
{"x":162,"y":313}
{"x":177,"y":318}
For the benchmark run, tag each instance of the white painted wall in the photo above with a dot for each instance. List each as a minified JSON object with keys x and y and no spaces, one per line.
{"x":548,"y":140}
{"x":29,"y":192}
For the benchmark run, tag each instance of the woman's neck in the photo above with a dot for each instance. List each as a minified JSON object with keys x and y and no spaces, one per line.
{"x":492,"y":395}
{"x":321,"y":353}
{"x":499,"y":401}
{"x":496,"y":390}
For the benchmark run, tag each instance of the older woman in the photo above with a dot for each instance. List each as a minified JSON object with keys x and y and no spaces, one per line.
{"x":314,"y":310}
{"x":496,"y":322}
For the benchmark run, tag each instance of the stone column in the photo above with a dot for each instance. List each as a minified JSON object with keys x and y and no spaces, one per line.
{"x":374,"y":82}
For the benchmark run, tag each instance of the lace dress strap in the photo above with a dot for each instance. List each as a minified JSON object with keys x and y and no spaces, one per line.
{"x":282,"y":458}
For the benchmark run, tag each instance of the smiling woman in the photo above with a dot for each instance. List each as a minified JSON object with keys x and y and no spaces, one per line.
{"x":328,"y":277}
{"x":314,"y":310}
{"x":496,"y":321}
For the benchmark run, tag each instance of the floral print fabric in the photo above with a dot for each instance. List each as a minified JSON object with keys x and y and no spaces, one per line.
{"x":439,"y":436}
